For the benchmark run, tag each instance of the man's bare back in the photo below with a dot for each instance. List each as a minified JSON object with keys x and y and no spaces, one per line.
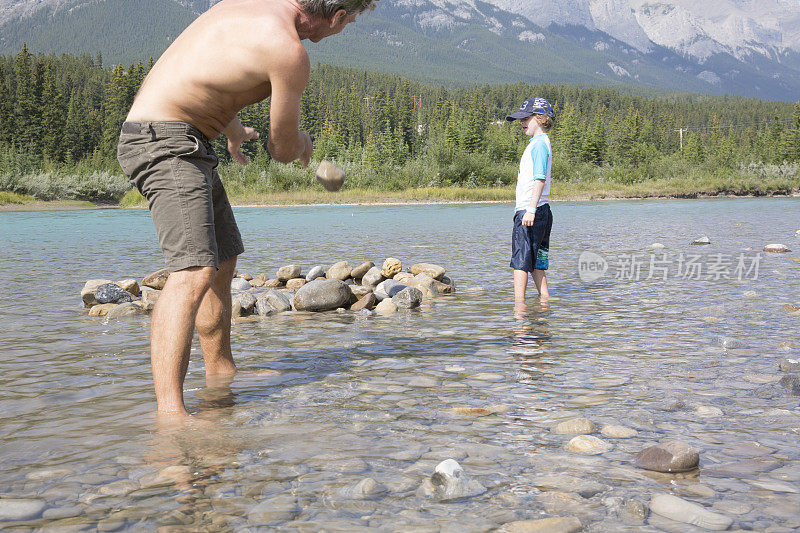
{"x":237,"y":53}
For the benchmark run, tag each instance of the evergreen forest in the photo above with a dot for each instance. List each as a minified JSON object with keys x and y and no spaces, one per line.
{"x":60,"y":118}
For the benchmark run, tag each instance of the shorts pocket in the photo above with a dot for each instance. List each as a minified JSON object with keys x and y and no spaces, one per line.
{"x":184,"y":146}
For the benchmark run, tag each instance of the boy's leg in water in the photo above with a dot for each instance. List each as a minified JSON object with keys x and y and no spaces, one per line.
{"x":520,"y":285}
{"x":540,"y":280}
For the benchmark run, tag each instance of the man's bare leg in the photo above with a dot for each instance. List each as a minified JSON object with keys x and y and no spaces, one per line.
{"x":171,"y":332}
{"x":520,"y":285}
{"x":213,"y":323}
{"x":540,"y":280}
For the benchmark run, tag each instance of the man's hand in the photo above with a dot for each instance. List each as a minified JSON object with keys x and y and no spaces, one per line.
{"x":528,"y":218}
{"x":308,"y":149}
{"x":235,"y":141}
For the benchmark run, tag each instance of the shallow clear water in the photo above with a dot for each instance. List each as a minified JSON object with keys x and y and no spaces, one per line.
{"x":374,"y":397}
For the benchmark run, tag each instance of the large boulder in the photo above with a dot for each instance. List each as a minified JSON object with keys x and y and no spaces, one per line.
{"x":372,"y":278}
{"x":246,"y":303}
{"x":89,"y":288}
{"x":315,"y":272}
{"x":156,"y":280}
{"x":391,"y":267}
{"x":408,"y":298}
{"x":272,"y":302}
{"x":111,"y":293}
{"x":288,"y":272}
{"x":323,"y":295}
{"x":359,"y":271}
{"x":434,"y":271}
{"x":340,"y":270}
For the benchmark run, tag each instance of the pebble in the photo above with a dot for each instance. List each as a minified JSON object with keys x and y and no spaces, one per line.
{"x":589,"y":445}
{"x":17,"y":509}
{"x":657,"y":245}
{"x":686,"y":512}
{"x":618,"y":432}
{"x":776,"y":249}
{"x":669,"y":456}
{"x":544,"y":525}
{"x":707,"y":411}
{"x":701,"y":241}
{"x":575,"y":426}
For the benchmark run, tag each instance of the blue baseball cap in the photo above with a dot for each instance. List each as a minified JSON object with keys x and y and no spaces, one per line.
{"x":533,"y":106}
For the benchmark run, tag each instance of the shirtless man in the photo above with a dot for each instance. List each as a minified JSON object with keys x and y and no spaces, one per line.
{"x":237,"y":53}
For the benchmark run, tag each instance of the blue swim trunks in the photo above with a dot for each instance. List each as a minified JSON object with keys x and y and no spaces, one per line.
{"x":530,"y":245}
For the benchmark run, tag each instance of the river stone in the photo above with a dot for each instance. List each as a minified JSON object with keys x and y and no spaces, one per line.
{"x":322,"y":295}
{"x":790,"y":365}
{"x":131,"y":286}
{"x":246,"y":301}
{"x":271,"y":302}
{"x":274,"y":284}
{"x":364,"y":489}
{"x":330,"y":176}
{"x":403,"y":277}
{"x":708,"y":411}
{"x":425,"y":283}
{"x":58,"y":513}
{"x":391,"y":267}
{"x":588,"y":445}
{"x":386,"y":307}
{"x":288,"y":272}
{"x":259,"y":280}
{"x":295,"y":284}
{"x":669,"y":456}
{"x":372,"y":278}
{"x":149,"y":299}
{"x":566,"y":483}
{"x":126,"y":309}
{"x":408,"y":298}
{"x":434,"y":271}
{"x":701,"y":241}
{"x":340,"y":270}
{"x":111,"y":293}
{"x":87,"y":293}
{"x":575,"y":426}
{"x":389,"y":287}
{"x":791,"y":382}
{"x":18,"y":509}
{"x":240,"y":284}
{"x":543,"y":525}
{"x":618,"y":432}
{"x":156,"y":280}
{"x":101,"y":309}
{"x":777,"y":249}
{"x":445,"y":288}
{"x":316,"y":272}
{"x":366,"y":302}
{"x":449,"y":481}
{"x":359,"y":291}
{"x":359,"y":271}
{"x":686,"y":512}
{"x":278,"y":509}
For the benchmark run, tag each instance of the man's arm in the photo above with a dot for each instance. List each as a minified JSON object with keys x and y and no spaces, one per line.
{"x":237,"y":134}
{"x":286,"y":142}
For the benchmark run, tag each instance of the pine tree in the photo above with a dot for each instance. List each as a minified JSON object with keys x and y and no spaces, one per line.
{"x":115,"y":108}
{"x":790,"y":140}
{"x":52,"y":114}
{"x":5,"y":110}
{"x":569,"y":134}
{"x":594,"y":146}
{"x":25,"y":112}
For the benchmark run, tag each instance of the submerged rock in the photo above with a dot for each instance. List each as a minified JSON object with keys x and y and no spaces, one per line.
{"x":449,"y":481}
{"x":790,"y":365}
{"x":111,"y":293}
{"x":618,"y":432}
{"x":101,"y":309}
{"x":791,"y":382}
{"x":543,"y":525}
{"x":575,"y":426}
{"x":686,"y":512}
{"x":588,"y":445}
{"x":669,"y":456}
{"x":18,"y":509}
{"x":364,"y":489}
{"x":322,"y":295}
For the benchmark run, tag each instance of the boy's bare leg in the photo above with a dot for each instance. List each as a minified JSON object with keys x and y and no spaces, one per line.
{"x":540,"y":280}
{"x":520,"y":285}
{"x":213,"y":323}
{"x":171,"y":332}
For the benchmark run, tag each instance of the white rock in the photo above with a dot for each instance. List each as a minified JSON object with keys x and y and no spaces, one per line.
{"x":450,"y":481}
{"x":681,"y":510}
{"x":657,"y":245}
{"x":588,"y":445}
{"x":776,"y":249}
{"x":707,"y":411}
{"x":240,"y":284}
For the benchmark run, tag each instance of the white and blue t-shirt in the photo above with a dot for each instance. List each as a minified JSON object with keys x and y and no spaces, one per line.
{"x":534,"y":165}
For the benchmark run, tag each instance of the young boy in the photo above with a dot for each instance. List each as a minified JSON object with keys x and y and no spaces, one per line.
{"x":532,"y":217}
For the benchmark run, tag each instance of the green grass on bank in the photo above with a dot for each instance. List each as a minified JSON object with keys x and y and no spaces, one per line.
{"x":12,"y":198}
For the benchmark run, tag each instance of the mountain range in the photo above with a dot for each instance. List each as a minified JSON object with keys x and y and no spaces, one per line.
{"x":743,"y":47}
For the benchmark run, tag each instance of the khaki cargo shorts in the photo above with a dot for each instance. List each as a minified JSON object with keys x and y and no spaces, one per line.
{"x":173,"y":165}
